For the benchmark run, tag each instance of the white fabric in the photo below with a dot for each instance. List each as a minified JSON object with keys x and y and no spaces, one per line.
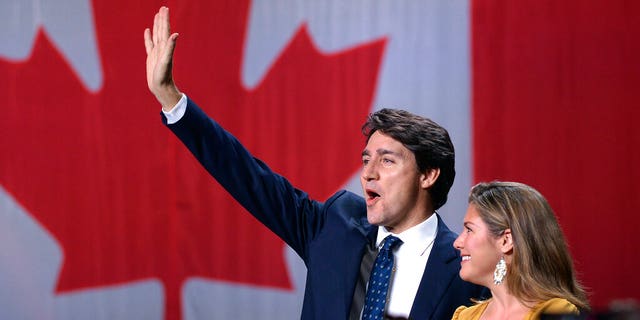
{"x":178,"y":111}
{"x":410,"y":259}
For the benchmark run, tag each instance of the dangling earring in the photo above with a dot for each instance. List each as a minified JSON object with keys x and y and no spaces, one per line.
{"x":500,"y":272}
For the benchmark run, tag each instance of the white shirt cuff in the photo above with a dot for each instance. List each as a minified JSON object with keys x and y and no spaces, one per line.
{"x":178,"y":110}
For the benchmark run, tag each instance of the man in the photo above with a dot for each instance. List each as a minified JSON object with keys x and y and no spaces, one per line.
{"x":408,"y":169}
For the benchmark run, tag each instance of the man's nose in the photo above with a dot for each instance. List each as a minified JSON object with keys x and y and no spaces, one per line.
{"x":369,"y":171}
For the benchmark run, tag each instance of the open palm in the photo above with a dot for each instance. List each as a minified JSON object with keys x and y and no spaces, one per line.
{"x":159,"y":45}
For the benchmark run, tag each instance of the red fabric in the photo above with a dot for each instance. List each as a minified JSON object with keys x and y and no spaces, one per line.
{"x":555,"y":105}
{"x":114,"y":188}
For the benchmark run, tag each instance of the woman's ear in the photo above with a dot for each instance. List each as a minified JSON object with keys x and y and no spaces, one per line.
{"x":506,"y":242}
{"x":428,"y":178}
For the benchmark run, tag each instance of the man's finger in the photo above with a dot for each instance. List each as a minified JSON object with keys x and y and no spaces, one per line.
{"x":163,"y":30}
{"x":148,"y":43}
{"x":155,"y":29}
{"x":171,"y":45}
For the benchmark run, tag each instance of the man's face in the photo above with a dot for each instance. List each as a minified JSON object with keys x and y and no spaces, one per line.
{"x":392,"y":184}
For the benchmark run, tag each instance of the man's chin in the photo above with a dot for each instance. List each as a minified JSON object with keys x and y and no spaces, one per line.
{"x":373,"y":219}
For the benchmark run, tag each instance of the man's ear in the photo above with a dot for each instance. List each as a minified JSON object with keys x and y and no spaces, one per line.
{"x":506,"y":242}
{"x":428,"y":178}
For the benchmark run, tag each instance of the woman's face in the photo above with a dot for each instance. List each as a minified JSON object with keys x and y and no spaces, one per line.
{"x":480,"y":251}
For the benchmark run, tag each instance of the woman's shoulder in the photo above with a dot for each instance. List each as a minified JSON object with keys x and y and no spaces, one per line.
{"x":555,"y":306}
{"x":469,"y":313}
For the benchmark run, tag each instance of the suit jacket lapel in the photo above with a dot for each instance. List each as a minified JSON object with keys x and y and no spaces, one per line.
{"x":437,"y":276}
{"x":366,"y":236}
{"x":367,"y":230}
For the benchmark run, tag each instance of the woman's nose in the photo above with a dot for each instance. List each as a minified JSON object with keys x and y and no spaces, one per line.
{"x":458,"y":243}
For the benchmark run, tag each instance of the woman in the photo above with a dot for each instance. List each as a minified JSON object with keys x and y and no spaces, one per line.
{"x":513,"y":245}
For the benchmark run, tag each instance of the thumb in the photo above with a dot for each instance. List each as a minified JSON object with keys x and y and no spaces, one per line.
{"x":171,"y":45}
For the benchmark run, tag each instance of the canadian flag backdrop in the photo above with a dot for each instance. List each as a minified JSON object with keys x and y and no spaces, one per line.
{"x":105,"y":215}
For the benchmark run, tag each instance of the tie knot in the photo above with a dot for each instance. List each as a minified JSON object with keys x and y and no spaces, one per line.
{"x":390,"y":242}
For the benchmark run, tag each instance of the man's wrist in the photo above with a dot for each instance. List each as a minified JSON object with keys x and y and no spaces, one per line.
{"x":168,"y":97}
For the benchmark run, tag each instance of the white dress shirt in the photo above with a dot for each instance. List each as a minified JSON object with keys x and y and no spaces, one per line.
{"x":410,"y":261}
{"x":177,"y":112}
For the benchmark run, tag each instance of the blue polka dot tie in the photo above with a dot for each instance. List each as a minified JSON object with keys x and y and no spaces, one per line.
{"x":376,"y":297}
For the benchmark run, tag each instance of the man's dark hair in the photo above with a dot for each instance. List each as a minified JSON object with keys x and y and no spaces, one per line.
{"x":429,"y":142}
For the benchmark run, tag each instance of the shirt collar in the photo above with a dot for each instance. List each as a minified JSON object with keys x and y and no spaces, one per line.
{"x":417,"y":238}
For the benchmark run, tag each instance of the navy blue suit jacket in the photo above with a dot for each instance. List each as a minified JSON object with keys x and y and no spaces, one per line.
{"x":331,"y":237}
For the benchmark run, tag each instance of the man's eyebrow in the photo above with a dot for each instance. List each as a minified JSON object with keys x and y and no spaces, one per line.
{"x":386,"y":151}
{"x":381,"y":152}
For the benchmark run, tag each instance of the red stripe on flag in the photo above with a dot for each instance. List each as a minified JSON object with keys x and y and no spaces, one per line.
{"x":555,"y":103}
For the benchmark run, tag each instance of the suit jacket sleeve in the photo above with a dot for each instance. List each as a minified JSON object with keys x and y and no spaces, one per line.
{"x":287,"y":211}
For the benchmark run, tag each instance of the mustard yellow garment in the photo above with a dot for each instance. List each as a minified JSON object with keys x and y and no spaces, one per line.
{"x":552,"y":306}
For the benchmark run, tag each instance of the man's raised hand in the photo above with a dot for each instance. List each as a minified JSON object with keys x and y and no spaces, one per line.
{"x":159,"y":45}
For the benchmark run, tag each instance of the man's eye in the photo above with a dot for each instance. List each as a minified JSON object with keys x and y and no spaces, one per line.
{"x":468,"y":229}
{"x":365,"y":161}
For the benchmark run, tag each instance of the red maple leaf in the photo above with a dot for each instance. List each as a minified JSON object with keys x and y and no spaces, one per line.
{"x":121,"y":195}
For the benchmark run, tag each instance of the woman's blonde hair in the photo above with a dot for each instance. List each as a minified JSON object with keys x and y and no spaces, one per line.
{"x":541,"y":267}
